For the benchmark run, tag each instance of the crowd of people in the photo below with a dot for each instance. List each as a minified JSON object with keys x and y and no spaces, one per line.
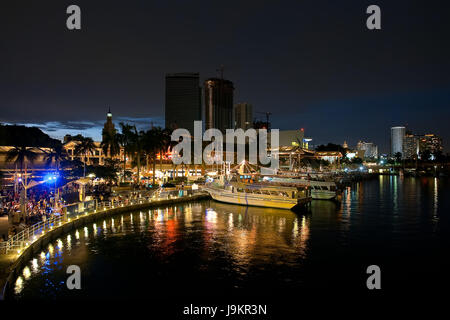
{"x":22,"y":212}
{"x":42,"y":203}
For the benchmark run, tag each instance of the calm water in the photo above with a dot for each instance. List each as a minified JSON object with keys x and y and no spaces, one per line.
{"x":210,"y":248}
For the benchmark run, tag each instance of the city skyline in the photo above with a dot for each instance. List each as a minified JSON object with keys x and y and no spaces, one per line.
{"x":185,"y":153}
{"x":335,"y":78}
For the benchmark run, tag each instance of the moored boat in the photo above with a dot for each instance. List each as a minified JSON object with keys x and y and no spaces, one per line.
{"x":253,"y":194}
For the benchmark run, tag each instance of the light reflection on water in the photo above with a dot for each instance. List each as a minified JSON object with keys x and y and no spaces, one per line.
{"x":197,"y":244}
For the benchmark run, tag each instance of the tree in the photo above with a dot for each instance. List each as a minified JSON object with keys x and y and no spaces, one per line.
{"x":13,"y":135}
{"x":107,"y":171}
{"x":110,"y":143}
{"x":126,"y":140}
{"x":56,"y":155}
{"x":132,"y":141}
{"x":152,"y":144}
{"x":425,"y":155}
{"x":21,"y":156}
{"x":398,"y":157}
{"x":357,"y":160}
{"x":331,"y":147}
{"x":439,"y":156}
{"x":84,"y":147}
{"x":137,"y":147}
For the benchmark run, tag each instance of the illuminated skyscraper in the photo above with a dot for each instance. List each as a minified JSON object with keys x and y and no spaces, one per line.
{"x":411,"y":145}
{"x":219,"y":104}
{"x":415,"y":144}
{"x":397,"y":135}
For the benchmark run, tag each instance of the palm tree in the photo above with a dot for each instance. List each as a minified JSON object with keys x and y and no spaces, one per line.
{"x":137,"y":149}
{"x":21,"y":156}
{"x":85,"y":147}
{"x":151,"y":145}
{"x":126,"y":139}
{"x":166,"y":144}
{"x":57,"y":155}
{"x":398,"y":157}
{"x":110,"y":143}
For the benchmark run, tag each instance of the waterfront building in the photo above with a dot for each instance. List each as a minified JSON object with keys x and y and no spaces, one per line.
{"x":183,"y":101}
{"x":219,"y":104}
{"x":330,"y":156}
{"x":397,"y":135}
{"x":96,"y":157}
{"x":243,"y":116}
{"x":370,"y":150}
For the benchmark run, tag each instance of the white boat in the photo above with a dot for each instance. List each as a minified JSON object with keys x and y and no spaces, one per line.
{"x":320,"y":190}
{"x":251,"y":194}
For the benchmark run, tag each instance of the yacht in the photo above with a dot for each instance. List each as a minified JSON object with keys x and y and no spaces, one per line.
{"x":261,"y":195}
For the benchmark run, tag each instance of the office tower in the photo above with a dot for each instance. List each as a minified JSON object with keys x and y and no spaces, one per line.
{"x":432,"y":143}
{"x":219,"y":104}
{"x":415,"y":144}
{"x":243,"y":116}
{"x":183,"y":101}
{"x":411,"y":145}
{"x":370,"y":149}
{"x":397,"y":135}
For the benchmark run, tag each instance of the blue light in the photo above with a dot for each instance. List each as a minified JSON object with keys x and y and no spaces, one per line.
{"x":50,"y":178}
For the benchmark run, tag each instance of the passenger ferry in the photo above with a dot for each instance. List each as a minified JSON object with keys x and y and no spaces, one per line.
{"x":261,"y":195}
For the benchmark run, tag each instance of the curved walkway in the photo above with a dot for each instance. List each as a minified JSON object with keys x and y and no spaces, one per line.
{"x":20,"y":248}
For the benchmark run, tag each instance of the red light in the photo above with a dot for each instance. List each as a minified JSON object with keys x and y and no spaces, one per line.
{"x":302,"y":129}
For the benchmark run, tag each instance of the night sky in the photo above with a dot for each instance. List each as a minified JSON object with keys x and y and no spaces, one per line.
{"x":313,"y":64}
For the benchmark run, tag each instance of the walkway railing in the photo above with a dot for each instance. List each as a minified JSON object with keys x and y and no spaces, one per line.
{"x":26,"y":237}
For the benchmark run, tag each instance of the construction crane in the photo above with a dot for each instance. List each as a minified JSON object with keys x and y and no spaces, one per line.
{"x":268,"y":114}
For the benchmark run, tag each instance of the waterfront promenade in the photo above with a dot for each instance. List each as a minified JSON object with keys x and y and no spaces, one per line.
{"x":15,"y":252}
